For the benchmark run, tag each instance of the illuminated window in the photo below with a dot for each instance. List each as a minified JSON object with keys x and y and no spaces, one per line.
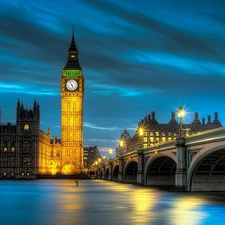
{"x":13,"y":149}
{"x":157,"y":140}
{"x":28,"y":174}
{"x":169,"y":134}
{"x":175,"y":134}
{"x":151,"y":139}
{"x":22,"y":174}
{"x":145,"y":145}
{"x":163,"y":139}
{"x":151,"y":133}
{"x":145,"y":139}
{"x":5,"y":149}
{"x":163,"y":134}
{"x":157,"y":133}
{"x":12,"y":173}
{"x":26,"y":127}
{"x":4,"y":173}
{"x":169,"y":138}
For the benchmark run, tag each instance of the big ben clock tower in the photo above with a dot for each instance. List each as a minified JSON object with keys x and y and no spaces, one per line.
{"x":72,"y":93}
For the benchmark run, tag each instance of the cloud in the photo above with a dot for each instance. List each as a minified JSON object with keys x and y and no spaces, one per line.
{"x":137,"y":57}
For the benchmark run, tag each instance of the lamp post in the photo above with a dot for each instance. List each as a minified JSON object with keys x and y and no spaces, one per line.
{"x":110,"y":153}
{"x":140,"y":172}
{"x":141,"y":133}
{"x":181,"y":152}
{"x":121,"y":144}
{"x":181,"y":114}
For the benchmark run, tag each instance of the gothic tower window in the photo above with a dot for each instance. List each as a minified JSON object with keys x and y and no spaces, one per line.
{"x":26,"y":127}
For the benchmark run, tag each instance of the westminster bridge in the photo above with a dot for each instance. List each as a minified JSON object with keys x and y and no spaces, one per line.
{"x":194,"y":163}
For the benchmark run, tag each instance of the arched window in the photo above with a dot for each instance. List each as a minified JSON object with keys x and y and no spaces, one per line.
{"x":26,"y":127}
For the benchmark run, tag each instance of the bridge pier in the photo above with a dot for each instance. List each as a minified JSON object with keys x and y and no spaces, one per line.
{"x":103,"y":173}
{"x":120,"y":175}
{"x":140,"y":172}
{"x":99,"y":173}
{"x":181,"y":173}
{"x":110,"y":171}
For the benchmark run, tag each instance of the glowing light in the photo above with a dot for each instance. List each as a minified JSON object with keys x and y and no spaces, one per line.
{"x":141,"y":131}
{"x":66,"y":169}
{"x":181,"y":112}
{"x":121,"y":143}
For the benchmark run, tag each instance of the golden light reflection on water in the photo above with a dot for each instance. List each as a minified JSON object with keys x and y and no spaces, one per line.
{"x":61,"y":202}
{"x":143,"y":206}
{"x":187,"y":211}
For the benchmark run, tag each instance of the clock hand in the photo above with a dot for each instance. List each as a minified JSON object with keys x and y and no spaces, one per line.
{"x":71,"y":83}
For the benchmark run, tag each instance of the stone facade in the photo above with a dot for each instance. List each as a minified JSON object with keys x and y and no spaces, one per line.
{"x":26,"y":151}
{"x":91,"y":154}
{"x":155,"y":132}
{"x":20,"y":144}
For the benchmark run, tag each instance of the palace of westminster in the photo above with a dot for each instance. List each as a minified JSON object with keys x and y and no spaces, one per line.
{"x":27,"y":152}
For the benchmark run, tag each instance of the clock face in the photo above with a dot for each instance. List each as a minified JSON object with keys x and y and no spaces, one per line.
{"x":71,"y":85}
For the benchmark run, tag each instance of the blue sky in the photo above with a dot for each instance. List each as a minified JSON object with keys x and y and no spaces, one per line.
{"x":136,"y":56}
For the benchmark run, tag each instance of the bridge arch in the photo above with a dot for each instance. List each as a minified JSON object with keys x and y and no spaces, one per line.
{"x":107,"y":173}
{"x":207,"y":170}
{"x":160,"y":170}
{"x":130,"y":171}
{"x":100,"y":173}
{"x":115,"y":172}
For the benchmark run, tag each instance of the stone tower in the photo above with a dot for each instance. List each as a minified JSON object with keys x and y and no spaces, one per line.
{"x":27,"y":131}
{"x":72,"y":93}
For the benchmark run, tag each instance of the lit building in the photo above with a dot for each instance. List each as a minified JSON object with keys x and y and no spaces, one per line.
{"x":154,"y":132}
{"x":91,"y":154}
{"x":72,"y":93}
{"x":26,"y":151}
{"x":124,"y":142}
{"x":19,"y":144}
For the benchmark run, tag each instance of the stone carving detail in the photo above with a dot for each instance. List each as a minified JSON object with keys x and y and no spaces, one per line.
{"x":146,"y":159}
{"x":191,"y":155}
{"x":175,"y":153}
{"x":180,"y":141}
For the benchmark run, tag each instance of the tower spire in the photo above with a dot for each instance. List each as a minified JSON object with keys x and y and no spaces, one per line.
{"x":73,"y":47}
{"x":72,"y":59}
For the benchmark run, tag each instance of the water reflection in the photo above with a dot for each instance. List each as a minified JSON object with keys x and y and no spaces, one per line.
{"x":188,"y":211}
{"x":61,"y":202}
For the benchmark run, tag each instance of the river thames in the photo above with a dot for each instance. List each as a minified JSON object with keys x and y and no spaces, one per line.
{"x":93,"y":202}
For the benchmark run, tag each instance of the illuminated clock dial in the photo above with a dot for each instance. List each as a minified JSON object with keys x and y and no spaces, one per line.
{"x":71,"y":85}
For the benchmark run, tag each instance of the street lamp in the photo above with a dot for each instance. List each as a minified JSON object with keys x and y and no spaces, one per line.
{"x":141,"y":133}
{"x":181,"y":114}
{"x":110,"y":153}
{"x":121,"y":145}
